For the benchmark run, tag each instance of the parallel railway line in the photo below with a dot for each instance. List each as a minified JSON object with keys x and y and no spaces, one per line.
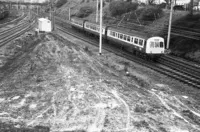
{"x":23,"y":16}
{"x":179,"y":70}
{"x":7,"y":35}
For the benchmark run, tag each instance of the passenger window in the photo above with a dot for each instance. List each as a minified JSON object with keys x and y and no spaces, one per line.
{"x":141,"y":42}
{"x":116,"y":34}
{"x":125,"y":37}
{"x":128,"y":38}
{"x":132,"y":39}
{"x":151,"y":44}
{"x":136,"y":41}
{"x":113,"y":34}
{"x":157,"y":45}
{"x":121,"y":36}
{"x":161,"y":44}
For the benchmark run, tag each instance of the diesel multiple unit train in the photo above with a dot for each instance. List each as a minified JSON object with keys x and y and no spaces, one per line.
{"x":136,"y":42}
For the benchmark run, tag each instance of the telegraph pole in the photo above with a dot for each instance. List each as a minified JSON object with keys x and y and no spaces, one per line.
{"x":52,"y":15}
{"x":50,"y":10}
{"x":97,"y":11}
{"x":170,"y":23}
{"x":191,"y":6}
{"x":29,"y":10}
{"x":101,"y":17}
{"x":17,"y":4}
{"x":37,"y":10}
{"x":10,"y":6}
{"x":69,"y":13}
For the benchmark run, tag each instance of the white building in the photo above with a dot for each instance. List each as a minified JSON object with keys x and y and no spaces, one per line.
{"x":31,"y":1}
{"x":44,"y":25}
{"x":182,"y":2}
{"x":178,"y":2}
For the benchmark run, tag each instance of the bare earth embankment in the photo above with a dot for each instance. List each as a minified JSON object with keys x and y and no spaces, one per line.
{"x":60,"y":86}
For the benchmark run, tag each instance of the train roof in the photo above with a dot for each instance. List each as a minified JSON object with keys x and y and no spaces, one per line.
{"x":104,"y":25}
{"x":129,"y":32}
{"x":77,"y":19}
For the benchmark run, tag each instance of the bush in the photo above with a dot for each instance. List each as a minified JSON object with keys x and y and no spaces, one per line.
{"x":84,"y":11}
{"x":150,"y":13}
{"x":162,"y":5}
{"x":120,"y":7}
{"x":99,"y":5}
{"x":60,"y":3}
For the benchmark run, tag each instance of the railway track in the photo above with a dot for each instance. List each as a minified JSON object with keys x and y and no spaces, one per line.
{"x":23,"y":16}
{"x":189,"y":68}
{"x":178,"y":70}
{"x":9,"y":34}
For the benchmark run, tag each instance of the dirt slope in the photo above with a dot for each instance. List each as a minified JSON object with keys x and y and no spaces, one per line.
{"x":58,"y":86}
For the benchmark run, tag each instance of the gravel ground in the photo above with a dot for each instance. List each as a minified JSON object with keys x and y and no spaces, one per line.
{"x":57,"y":83}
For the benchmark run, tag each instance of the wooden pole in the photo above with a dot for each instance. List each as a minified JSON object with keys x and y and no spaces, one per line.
{"x":97,"y":11}
{"x":69,"y":13}
{"x":191,"y":6}
{"x":170,"y":23}
{"x":101,"y":16}
{"x":37,"y":10}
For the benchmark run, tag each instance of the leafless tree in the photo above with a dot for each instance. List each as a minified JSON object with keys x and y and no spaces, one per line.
{"x":168,"y":1}
{"x":150,"y":2}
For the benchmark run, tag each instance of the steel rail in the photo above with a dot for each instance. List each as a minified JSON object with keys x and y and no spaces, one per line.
{"x":12,"y":28}
{"x":23,"y":28}
{"x":14,"y":21}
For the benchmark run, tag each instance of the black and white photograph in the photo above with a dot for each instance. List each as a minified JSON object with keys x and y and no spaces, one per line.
{"x":99,"y":65}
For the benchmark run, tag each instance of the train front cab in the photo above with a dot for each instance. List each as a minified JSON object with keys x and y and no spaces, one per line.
{"x":155,"y":47}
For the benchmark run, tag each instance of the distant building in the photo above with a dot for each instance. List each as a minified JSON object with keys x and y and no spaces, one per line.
{"x":182,"y":2}
{"x":31,"y":1}
{"x":178,"y":2}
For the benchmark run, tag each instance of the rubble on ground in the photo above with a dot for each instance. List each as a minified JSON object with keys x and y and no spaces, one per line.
{"x":57,"y":86}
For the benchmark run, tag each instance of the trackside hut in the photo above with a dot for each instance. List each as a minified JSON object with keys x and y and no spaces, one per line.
{"x":44,"y":25}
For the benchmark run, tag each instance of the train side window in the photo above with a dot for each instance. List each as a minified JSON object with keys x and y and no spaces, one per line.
{"x":121,"y":36}
{"x":125,"y":37}
{"x":128,"y":38}
{"x":161,"y":44}
{"x":116,"y":34}
{"x":136,"y":41}
{"x":140,"y":42}
{"x":157,"y":44}
{"x":132,"y":39}
{"x":111,"y":33}
{"x":151,"y":44}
